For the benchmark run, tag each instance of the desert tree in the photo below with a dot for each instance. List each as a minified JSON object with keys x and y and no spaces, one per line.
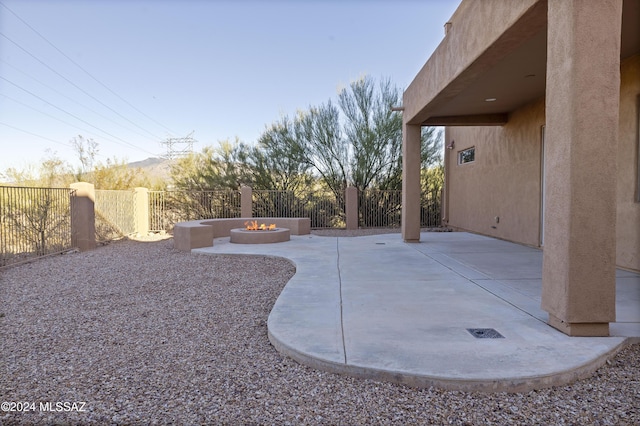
{"x":214,"y":168}
{"x":202,"y":177}
{"x":86,"y":150}
{"x":372,"y":132}
{"x":358,"y":142}
{"x":277,"y":160}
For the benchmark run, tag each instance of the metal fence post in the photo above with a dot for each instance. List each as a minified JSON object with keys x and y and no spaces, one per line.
{"x":83,"y":216}
{"x":246,"y":201}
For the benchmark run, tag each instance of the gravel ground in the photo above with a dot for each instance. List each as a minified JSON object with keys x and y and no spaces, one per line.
{"x":139,"y":333}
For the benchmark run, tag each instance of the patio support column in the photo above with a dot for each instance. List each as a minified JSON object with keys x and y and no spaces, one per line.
{"x":411,"y":183}
{"x":582,"y":108}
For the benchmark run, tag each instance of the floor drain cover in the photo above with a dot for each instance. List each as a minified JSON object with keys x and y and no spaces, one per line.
{"x":485,"y":333}
{"x":381,"y":244}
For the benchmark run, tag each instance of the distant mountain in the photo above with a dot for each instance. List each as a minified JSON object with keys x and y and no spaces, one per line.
{"x":156,"y":168}
{"x":149,"y":162}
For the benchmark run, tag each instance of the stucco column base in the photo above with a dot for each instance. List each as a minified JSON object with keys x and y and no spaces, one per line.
{"x":579,"y":329}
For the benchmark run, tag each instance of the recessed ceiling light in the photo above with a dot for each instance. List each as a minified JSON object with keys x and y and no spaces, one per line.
{"x":490,"y":100}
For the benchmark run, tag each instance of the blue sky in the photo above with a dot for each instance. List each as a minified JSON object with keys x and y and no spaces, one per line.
{"x":219,"y":69}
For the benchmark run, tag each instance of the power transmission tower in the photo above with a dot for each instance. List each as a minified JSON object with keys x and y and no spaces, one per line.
{"x":179,"y":147}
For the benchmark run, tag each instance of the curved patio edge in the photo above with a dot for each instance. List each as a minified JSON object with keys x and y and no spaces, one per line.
{"x":507,"y":384}
{"x":378,"y":308}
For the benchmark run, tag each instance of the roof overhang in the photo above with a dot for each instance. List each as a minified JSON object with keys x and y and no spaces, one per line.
{"x":491,"y":62}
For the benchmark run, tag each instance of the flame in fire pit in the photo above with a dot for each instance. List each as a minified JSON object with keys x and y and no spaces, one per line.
{"x":252,"y":225}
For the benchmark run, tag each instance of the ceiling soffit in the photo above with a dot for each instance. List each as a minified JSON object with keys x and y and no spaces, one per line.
{"x":485,"y":95}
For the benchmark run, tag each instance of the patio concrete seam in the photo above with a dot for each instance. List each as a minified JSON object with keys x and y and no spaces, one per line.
{"x":473,"y":281}
{"x":505,"y":300}
{"x":453,"y":260}
{"x":344,"y":346}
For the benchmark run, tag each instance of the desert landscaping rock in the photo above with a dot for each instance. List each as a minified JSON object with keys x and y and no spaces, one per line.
{"x":145,"y":334}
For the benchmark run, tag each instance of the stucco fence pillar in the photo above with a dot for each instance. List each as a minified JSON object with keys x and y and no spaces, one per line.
{"x":141,"y":210}
{"x":246,"y":202}
{"x":351,"y":207}
{"x":83,"y":217}
{"x":83,"y":214}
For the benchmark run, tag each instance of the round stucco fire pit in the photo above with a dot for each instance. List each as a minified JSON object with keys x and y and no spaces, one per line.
{"x":260,"y":236}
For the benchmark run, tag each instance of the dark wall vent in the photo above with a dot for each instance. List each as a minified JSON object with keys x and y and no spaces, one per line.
{"x":485,"y":333}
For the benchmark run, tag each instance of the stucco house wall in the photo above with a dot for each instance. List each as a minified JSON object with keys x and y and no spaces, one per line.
{"x":498,"y":194}
{"x":505,"y":180}
{"x":628,"y":205}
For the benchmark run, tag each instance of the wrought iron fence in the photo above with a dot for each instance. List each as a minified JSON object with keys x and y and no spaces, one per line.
{"x":324,"y":209}
{"x":327,"y":210}
{"x":379,"y":208}
{"x":115,"y":213}
{"x":383,"y":209}
{"x":169,"y":207}
{"x":34,"y":222}
{"x":37,"y":221}
{"x":376,"y":208}
{"x":265,"y":203}
{"x":431,"y":209}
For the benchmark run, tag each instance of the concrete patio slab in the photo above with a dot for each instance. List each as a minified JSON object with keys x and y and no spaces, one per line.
{"x":379,"y":308}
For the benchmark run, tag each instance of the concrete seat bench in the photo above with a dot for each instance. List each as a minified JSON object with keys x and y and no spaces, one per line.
{"x":200,"y":233}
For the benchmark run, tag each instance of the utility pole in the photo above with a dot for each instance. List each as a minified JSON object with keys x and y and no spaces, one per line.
{"x":179,"y":147}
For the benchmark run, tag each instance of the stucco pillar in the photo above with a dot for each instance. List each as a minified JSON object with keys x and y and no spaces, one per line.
{"x":411,"y":183}
{"x":351,"y":207}
{"x":141,"y":210}
{"x":83,"y":217}
{"x":246,"y":201}
{"x":444,"y":193}
{"x":582,"y":107}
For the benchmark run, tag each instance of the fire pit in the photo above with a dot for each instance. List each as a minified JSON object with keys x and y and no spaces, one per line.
{"x":259,"y":234}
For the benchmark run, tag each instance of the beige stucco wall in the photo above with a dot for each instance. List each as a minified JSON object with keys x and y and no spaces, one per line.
{"x":628,"y":213}
{"x":503,"y":181}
